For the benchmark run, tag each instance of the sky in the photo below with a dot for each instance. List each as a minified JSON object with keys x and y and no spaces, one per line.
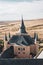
{"x":15,"y":9}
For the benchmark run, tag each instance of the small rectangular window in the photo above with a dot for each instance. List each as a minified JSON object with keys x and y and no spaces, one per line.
{"x":18,"y":48}
{"x":23,"y":52}
{"x":23,"y":48}
{"x":18,"y":52}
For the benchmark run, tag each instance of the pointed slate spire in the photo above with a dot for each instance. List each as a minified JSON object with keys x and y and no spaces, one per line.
{"x":6,"y":37}
{"x":22,"y":24}
{"x":22,"y":27}
{"x":9,"y":35}
{"x":35,"y":37}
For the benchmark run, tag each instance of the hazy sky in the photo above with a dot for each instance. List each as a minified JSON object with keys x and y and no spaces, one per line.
{"x":16,"y":0}
{"x":14,"y":9}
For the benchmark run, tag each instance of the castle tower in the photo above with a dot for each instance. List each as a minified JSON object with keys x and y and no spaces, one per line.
{"x":22,"y":27}
{"x":5,"y":42}
{"x":36,"y":42}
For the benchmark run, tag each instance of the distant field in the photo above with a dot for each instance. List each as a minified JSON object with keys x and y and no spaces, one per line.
{"x":13,"y":27}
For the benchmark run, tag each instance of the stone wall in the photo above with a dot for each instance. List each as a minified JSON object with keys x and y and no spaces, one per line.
{"x":22,"y":51}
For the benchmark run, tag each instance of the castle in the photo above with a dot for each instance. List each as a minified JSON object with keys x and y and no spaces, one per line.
{"x":24,"y":45}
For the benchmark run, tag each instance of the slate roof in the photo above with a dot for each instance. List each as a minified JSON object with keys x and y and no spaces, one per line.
{"x":21,"y":40}
{"x":9,"y":53}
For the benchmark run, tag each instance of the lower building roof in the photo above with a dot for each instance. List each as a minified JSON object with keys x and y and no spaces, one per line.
{"x":39,"y":55}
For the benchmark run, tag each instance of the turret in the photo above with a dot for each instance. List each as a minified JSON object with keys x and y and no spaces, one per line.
{"x":35,"y":38}
{"x":9,"y":35}
{"x":36,"y":42}
{"x":5,"y":37}
{"x":5,"y":42}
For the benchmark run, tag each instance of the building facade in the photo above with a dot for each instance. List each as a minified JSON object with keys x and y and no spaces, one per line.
{"x":24,"y":45}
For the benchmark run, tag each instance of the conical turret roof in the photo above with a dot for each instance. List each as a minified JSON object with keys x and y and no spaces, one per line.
{"x":6,"y":37}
